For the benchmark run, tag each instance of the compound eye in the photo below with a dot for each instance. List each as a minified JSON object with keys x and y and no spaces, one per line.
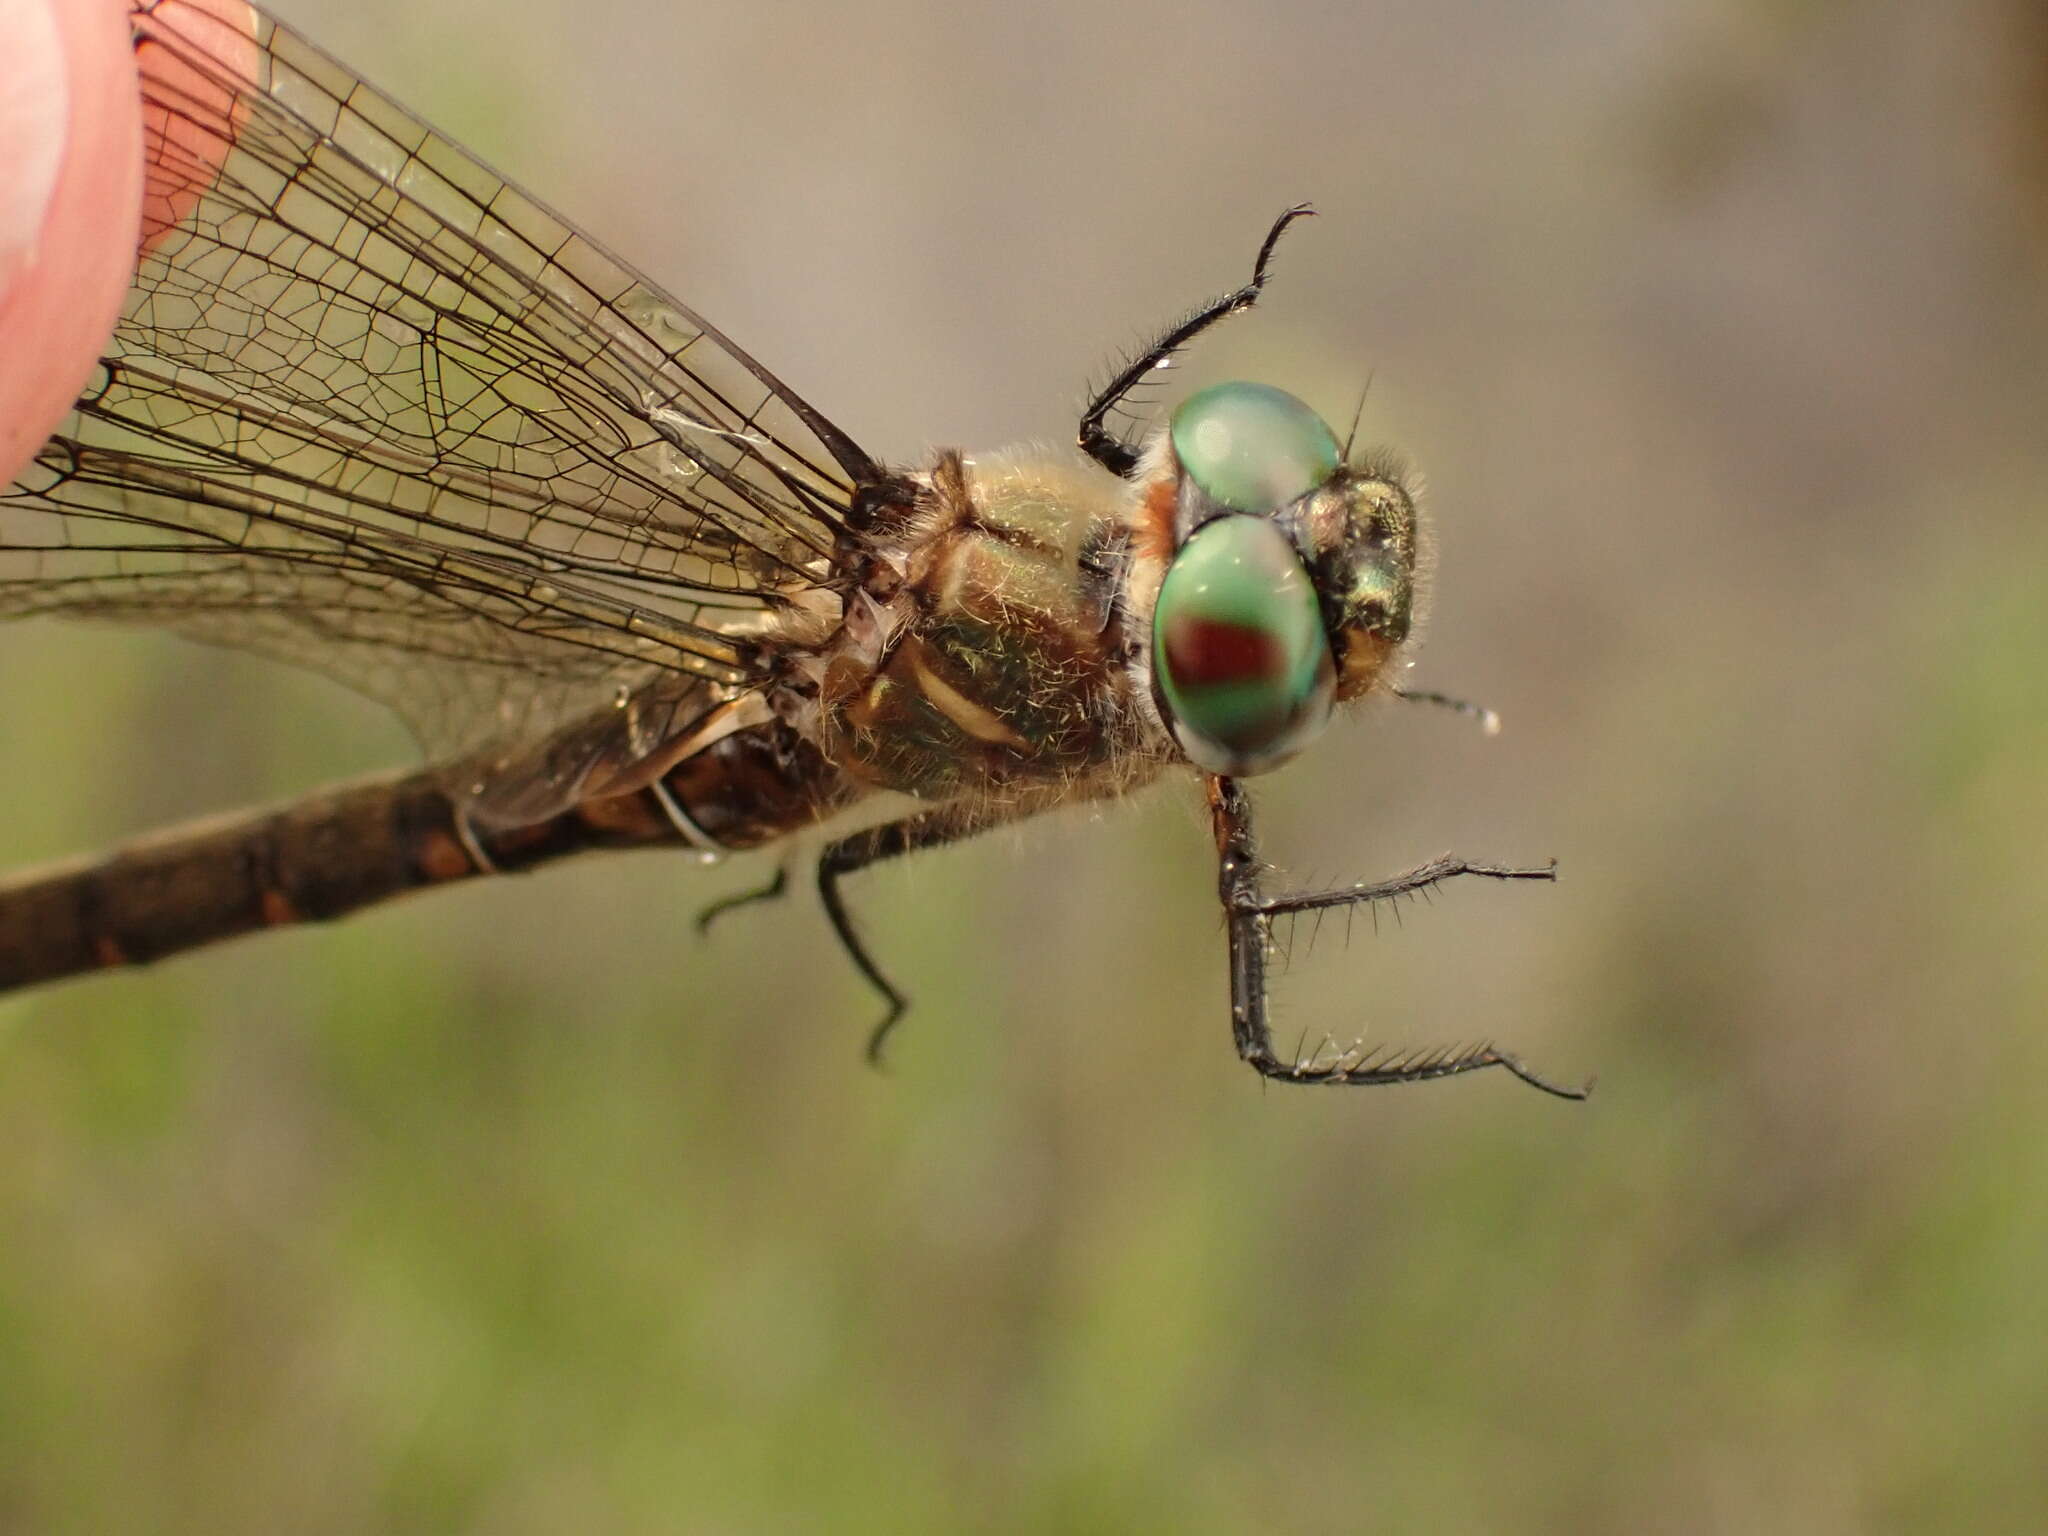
{"x":1238,"y":648}
{"x":1251,"y":447}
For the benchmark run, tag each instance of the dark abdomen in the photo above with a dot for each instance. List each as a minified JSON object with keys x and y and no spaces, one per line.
{"x":355,"y":845}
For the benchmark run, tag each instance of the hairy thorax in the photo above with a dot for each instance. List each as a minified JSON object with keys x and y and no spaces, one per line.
{"x":984,"y":655}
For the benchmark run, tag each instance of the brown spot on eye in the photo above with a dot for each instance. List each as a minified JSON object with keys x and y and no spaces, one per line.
{"x":1204,"y":653}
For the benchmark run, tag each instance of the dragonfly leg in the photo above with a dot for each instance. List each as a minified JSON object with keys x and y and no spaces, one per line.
{"x":1103,"y":445}
{"x":769,"y":892}
{"x":932,"y":829}
{"x":1250,"y":915}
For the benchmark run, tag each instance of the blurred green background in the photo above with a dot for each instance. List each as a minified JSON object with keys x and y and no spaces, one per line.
{"x":1718,"y":328}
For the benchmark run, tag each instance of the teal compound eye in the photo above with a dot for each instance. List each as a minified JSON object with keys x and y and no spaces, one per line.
{"x":1238,"y":650}
{"x":1251,"y":447}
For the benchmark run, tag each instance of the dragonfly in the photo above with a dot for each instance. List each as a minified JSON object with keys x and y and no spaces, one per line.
{"x":372,"y":409}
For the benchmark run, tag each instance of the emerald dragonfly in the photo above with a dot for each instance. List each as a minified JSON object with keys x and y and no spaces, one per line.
{"x":374,"y":410}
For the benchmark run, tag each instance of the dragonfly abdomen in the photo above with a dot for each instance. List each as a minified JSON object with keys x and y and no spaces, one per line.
{"x":356,"y":845}
{"x":320,"y":857}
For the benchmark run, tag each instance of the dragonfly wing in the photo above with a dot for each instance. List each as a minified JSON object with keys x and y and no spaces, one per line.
{"x":372,"y":409}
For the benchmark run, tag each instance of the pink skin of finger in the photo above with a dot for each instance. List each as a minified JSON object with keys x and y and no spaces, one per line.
{"x":88,"y":167}
{"x":70,"y":201}
{"x":182,"y":150}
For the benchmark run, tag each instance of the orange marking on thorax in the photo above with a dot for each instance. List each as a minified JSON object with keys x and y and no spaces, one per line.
{"x":277,"y":908}
{"x":1152,"y":521}
{"x":107,"y":952}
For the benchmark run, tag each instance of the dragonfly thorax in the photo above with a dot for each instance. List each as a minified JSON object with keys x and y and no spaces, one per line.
{"x":985,"y":654}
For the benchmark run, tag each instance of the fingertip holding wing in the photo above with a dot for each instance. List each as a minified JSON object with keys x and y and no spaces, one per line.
{"x":185,"y":148}
{"x":370,"y":409}
{"x":69,"y":133}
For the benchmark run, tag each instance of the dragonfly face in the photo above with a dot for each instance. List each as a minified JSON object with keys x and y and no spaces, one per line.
{"x":1291,"y":581}
{"x":371,"y":409}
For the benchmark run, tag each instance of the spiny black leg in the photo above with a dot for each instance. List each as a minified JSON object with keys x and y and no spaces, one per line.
{"x":1102,"y":445}
{"x":933,"y":829}
{"x":1366,"y":892}
{"x":769,"y":892}
{"x":1250,"y":917}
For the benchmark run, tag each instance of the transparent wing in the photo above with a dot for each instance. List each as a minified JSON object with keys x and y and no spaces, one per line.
{"x":373,"y":410}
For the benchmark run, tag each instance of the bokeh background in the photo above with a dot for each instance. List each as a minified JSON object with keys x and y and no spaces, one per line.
{"x":1718,"y":328}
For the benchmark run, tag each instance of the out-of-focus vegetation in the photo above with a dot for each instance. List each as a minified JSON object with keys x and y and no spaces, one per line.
{"x":1719,"y":328}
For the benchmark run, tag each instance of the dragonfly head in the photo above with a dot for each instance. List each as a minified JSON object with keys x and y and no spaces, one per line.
{"x":1292,"y":582}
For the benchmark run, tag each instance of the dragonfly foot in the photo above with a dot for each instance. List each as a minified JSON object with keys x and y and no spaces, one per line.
{"x":878,"y":1041}
{"x":1381,"y":1065}
{"x":717,"y":909}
